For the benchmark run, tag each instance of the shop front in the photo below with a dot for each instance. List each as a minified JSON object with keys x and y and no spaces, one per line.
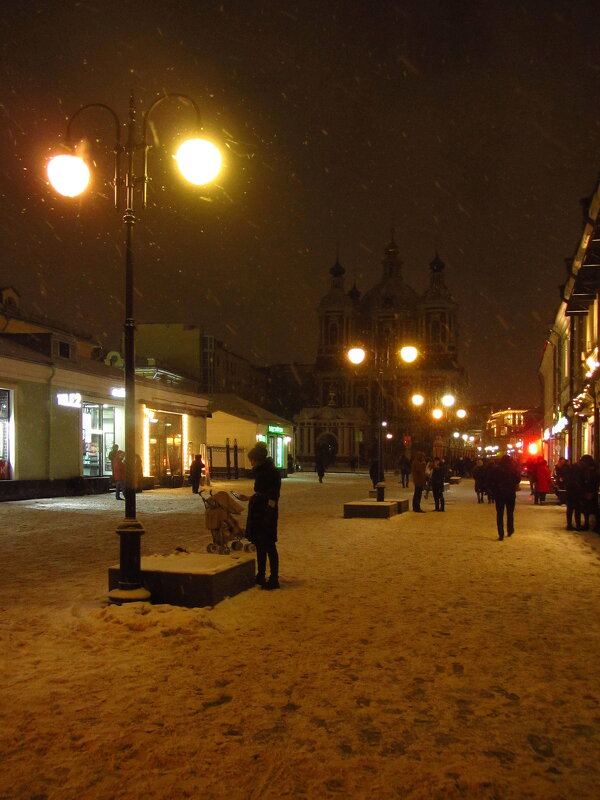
{"x":6,"y":438}
{"x":102,"y":427}
{"x":164,"y":450}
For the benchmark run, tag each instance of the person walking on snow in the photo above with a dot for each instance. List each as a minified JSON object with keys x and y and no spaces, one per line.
{"x":438,"y":476}
{"x":418,"y":468}
{"x":543,"y":481}
{"x":196,"y":470}
{"x":118,"y":467}
{"x":504,"y":480}
{"x":263,"y":511}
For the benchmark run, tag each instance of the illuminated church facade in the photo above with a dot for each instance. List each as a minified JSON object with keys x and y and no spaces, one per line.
{"x":353,"y":400}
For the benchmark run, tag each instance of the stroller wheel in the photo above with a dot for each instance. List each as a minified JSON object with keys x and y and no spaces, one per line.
{"x":224,"y":550}
{"x":237,"y":545}
{"x":212,"y":548}
{"x":250,"y":548}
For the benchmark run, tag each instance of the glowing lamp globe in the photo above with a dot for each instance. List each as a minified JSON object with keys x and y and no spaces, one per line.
{"x":448,"y":400}
{"x":417,"y":399}
{"x":409,"y":354}
{"x":461,"y":413}
{"x":437,"y":413}
{"x":199,"y":161}
{"x":356,"y":355}
{"x":69,"y":175}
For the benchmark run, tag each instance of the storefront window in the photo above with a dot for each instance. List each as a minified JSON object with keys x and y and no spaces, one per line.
{"x":165,"y":445}
{"x":98,"y":423}
{"x":5,"y":466}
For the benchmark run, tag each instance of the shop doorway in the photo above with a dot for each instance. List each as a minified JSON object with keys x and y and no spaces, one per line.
{"x":98,"y":428}
{"x":165,"y":448}
{"x":5,"y":413}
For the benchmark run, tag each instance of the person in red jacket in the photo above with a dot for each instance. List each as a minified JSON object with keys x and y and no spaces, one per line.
{"x":118,"y":466}
{"x":543,"y":481}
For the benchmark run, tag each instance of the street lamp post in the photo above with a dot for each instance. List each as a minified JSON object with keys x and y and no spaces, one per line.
{"x":356,"y":355}
{"x":199,"y":162}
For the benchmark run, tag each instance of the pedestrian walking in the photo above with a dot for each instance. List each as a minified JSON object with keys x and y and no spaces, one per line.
{"x":574,"y":495}
{"x":559,"y":475}
{"x":437,"y":479}
{"x":118,"y":468}
{"x":404,"y":467}
{"x":543,"y":481}
{"x":374,"y":472}
{"x":418,"y":467}
{"x":196,"y":470}
{"x":479,"y":479}
{"x":263,"y":512}
{"x":320,"y":466}
{"x":505,"y":479}
{"x":591,"y":482}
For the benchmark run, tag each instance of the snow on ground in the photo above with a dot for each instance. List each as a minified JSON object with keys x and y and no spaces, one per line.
{"x":415,"y":657}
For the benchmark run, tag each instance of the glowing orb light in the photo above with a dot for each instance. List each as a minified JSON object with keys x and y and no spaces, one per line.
{"x":69,"y":175}
{"x":199,"y":161}
{"x":356,"y":355}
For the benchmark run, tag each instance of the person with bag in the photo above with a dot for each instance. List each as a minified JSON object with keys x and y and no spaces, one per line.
{"x":263,"y":512}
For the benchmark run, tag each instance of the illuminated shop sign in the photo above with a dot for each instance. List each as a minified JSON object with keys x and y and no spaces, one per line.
{"x":560,"y":425}
{"x":275,"y":429}
{"x":117,"y":391}
{"x":70,"y":400}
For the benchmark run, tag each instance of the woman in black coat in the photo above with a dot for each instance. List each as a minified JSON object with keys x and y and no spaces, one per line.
{"x":263,"y":512}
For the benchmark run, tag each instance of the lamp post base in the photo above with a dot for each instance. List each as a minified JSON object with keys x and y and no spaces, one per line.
{"x":130,"y":589}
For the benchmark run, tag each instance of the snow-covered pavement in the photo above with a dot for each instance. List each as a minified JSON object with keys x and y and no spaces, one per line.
{"x":415,"y":657}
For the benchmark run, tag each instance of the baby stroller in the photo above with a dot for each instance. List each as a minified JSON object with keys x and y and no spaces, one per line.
{"x":219,"y":518}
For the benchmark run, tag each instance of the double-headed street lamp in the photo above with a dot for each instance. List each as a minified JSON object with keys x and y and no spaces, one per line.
{"x":357,"y":355}
{"x":441,"y":410}
{"x":199,"y":161}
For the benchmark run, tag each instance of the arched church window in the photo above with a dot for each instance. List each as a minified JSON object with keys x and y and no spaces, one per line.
{"x":333,"y":333}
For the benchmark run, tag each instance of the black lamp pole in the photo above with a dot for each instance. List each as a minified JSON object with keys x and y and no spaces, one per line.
{"x":130,"y":530}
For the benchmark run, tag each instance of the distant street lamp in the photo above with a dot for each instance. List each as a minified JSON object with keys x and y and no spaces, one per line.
{"x":357,"y":355}
{"x":199,"y":161}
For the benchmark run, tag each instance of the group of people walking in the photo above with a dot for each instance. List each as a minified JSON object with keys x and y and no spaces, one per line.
{"x":577,"y":485}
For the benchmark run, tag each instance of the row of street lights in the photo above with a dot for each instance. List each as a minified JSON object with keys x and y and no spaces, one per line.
{"x":199,"y":161}
{"x":407,"y":354}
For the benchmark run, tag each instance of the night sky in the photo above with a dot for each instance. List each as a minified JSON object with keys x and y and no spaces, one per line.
{"x":472,"y":128}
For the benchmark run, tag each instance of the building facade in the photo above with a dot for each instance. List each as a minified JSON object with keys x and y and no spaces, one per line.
{"x":389,"y":316}
{"x":62,"y":409}
{"x":570,"y":365}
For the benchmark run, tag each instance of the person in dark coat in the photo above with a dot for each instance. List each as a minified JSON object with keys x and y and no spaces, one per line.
{"x":119,"y":473}
{"x":591,"y":482}
{"x":374,"y":472}
{"x":263,"y":512}
{"x":404,"y":467}
{"x":574,"y":495}
{"x":437,"y":479}
{"x":479,"y":478}
{"x":559,"y":475}
{"x":196,"y":471}
{"x":320,"y":466}
{"x":504,"y":480}
{"x":418,"y":468}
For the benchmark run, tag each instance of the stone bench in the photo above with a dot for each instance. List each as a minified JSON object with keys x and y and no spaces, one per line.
{"x":383,"y":509}
{"x":193,"y":579}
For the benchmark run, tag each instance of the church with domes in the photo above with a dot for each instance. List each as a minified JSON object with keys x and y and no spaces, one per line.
{"x":354,"y":399}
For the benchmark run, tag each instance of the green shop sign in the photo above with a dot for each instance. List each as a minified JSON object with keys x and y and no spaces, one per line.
{"x":275,"y":429}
